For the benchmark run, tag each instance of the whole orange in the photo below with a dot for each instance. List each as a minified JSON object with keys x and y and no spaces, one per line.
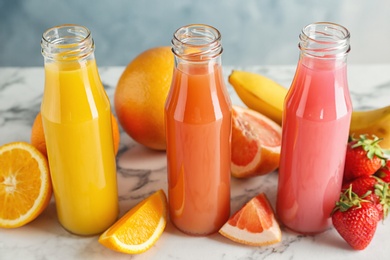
{"x":140,"y":96}
{"x":38,"y":138}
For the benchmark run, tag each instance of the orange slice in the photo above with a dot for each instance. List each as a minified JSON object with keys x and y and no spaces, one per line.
{"x":25,"y":185}
{"x":256,"y":141}
{"x":140,"y":227}
{"x":254,"y":224}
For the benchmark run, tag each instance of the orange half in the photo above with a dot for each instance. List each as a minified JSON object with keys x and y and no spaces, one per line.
{"x":25,"y":185}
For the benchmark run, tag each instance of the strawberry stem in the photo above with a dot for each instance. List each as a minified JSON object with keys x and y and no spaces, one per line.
{"x":349,"y":199}
{"x":371,"y":146}
{"x":382,"y":190}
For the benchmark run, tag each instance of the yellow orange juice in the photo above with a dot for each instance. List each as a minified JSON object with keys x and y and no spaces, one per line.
{"x":76,"y":118}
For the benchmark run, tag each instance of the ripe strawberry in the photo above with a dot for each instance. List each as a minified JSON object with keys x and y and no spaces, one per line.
{"x":384,"y":172}
{"x":355,"y":219}
{"x":361,"y":185}
{"x":372,"y":189}
{"x":363,"y":158}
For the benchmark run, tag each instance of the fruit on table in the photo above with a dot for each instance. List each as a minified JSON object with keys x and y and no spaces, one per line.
{"x":364,"y":198}
{"x":372,"y":189}
{"x":254,"y":224}
{"x":25,"y":185}
{"x":384,"y":172}
{"x":364,"y":157}
{"x":266,"y":96}
{"x":140,"y":96}
{"x":259,"y":93}
{"x":256,"y":142}
{"x":355,"y":219}
{"x":140,"y":227}
{"x":374,"y":122}
{"x":361,"y":185}
{"x":37,"y":138}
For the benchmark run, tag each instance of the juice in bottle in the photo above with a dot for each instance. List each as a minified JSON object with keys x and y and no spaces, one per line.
{"x":316,"y":123}
{"x":76,"y":117}
{"x":198,"y":132}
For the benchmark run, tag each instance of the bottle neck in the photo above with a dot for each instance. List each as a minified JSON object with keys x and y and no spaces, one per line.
{"x":67,"y":43}
{"x":324,"y":45}
{"x":197,"y":45}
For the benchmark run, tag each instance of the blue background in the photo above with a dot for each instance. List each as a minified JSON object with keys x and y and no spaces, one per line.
{"x":254,"y":32}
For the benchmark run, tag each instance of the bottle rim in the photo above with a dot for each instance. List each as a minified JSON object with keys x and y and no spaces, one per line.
{"x":67,"y":42}
{"x":197,"y":42}
{"x":325,"y":40}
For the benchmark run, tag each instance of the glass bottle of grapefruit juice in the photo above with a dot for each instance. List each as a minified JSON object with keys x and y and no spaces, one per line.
{"x":316,"y":119}
{"x":198,"y":132}
{"x":76,"y":117}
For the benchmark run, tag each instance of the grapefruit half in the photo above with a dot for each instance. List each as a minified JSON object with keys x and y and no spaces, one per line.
{"x":256,"y":142}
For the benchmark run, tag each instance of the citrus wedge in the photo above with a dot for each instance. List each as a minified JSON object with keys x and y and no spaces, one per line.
{"x":256,"y":141}
{"x":140,"y":227}
{"x":25,"y":185}
{"x":254,"y":224}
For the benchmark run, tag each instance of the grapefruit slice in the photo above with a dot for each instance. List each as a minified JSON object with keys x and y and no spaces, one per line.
{"x":256,"y":141}
{"x":254,"y":224}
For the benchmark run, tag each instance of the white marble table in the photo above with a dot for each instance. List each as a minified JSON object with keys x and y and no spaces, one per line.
{"x":142,"y":171}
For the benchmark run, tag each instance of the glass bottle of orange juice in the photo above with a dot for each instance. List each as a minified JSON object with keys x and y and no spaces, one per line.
{"x":198,"y":133}
{"x":76,"y":117}
{"x":316,"y":119}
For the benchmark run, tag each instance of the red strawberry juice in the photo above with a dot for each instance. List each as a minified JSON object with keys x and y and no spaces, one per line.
{"x":316,"y":123}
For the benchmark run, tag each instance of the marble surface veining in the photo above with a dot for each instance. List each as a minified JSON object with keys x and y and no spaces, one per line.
{"x":142,"y":171}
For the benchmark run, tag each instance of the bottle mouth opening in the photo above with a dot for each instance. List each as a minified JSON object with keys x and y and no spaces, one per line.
{"x":197,"y":42}
{"x":325,"y":40}
{"x":67,"y":42}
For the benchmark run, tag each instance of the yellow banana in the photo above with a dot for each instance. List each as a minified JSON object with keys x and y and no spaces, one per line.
{"x":259,"y":93}
{"x":266,"y":96}
{"x":372,"y":122}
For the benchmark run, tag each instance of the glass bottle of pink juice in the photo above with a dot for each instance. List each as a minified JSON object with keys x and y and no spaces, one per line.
{"x":316,"y":119}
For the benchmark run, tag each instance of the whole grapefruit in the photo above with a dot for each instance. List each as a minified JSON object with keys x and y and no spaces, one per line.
{"x":140,"y":96}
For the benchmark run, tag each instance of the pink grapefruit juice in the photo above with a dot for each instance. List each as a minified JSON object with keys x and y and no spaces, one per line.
{"x":312,"y":163}
{"x":198,"y":123}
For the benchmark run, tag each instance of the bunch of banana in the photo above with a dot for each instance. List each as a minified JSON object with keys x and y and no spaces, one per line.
{"x":266,"y":96}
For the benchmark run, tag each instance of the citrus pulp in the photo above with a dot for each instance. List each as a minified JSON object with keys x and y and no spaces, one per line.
{"x":140,"y":227}
{"x":256,"y":141}
{"x":254,"y":224}
{"x":25,"y":185}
